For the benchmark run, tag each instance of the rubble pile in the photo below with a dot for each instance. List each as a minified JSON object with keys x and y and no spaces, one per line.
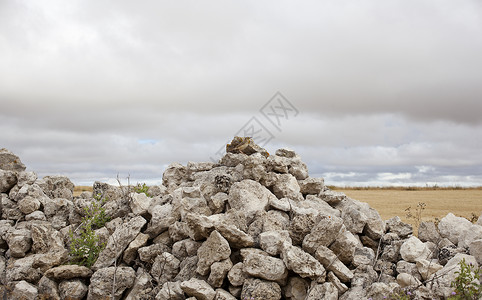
{"x":252,"y":226}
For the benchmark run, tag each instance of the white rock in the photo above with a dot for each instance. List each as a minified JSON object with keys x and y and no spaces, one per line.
{"x":453,"y":227}
{"x":413,"y":249}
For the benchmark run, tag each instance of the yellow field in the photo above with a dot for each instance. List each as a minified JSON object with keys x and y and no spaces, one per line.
{"x":439,"y":202}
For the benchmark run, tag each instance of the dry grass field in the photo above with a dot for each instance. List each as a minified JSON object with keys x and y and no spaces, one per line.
{"x":390,"y":202}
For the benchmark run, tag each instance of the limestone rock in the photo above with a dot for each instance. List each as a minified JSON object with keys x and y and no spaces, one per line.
{"x":187,"y":268}
{"x":66,"y":272}
{"x":413,"y":249}
{"x":118,"y":241}
{"x":332,"y":197}
{"x":265,"y":267}
{"x":7,"y":180}
{"x":396,"y":225}
{"x":102,"y":281}
{"x":236,"y":275}
{"x":407,"y":280}
{"x":162,"y":217}
{"x":22,"y":269}
{"x":48,"y":289}
{"x":323,"y":234}
{"x":235,"y":237}
{"x":171,"y":291}
{"x":344,"y":247}
{"x":174,"y":175}
{"x":332,"y":263}
{"x":363,"y":256}
{"x":139,"y":203}
{"x":223,"y":295}
{"x":10,"y":161}
{"x":28,"y":205}
{"x":427,"y":232}
{"x":24,"y":290}
{"x":149,"y":253}
{"x":272,"y":241}
{"x":474,"y":232}
{"x":296,"y":289}
{"x":301,"y":262}
{"x":165,"y":268}
{"x":325,"y":291}
{"x":245,"y":145}
{"x":131,"y":252}
{"x":249,"y":196}
{"x":453,"y":227}
{"x":198,"y":288}
{"x":215,"y":248}
{"x":57,"y":187}
{"x":286,"y":186}
{"x":19,"y":242}
{"x":427,"y":268}
{"x":282,"y":204}
{"x":257,"y":289}
{"x":73,"y":289}
{"x":311,"y":185}
{"x":219,"y":270}
{"x":379,"y":290}
{"x":475,"y":249}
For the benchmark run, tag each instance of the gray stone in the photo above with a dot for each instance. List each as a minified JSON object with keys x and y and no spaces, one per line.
{"x":409,"y":268}
{"x":131,"y":252}
{"x":217,"y":202}
{"x":73,"y":289}
{"x":185,"y":248}
{"x":36,"y":215}
{"x":407,"y":280}
{"x":28,"y":205}
{"x":473,"y":233}
{"x":187,"y":269}
{"x":66,"y":272}
{"x":448,"y":273}
{"x":286,"y":186}
{"x":102,"y":282}
{"x":165,"y":268}
{"x":219,"y":270}
{"x":235,"y":237}
{"x":10,"y":161}
{"x":162,"y":217}
{"x":9,"y":209}
{"x":272,"y":241}
{"x":364,"y":276}
{"x":245,"y":145}
{"x":329,"y":260}
{"x":296,"y":289}
{"x":19,"y":242}
{"x":118,"y":241}
{"x":379,"y":290}
{"x":57,"y":187}
{"x":139,"y":203}
{"x":174,"y":175}
{"x":427,"y":232}
{"x":24,"y":290}
{"x":301,"y":262}
{"x":171,"y":291}
{"x":413,"y":249}
{"x":282,"y":204}
{"x":475,"y":249}
{"x":363,"y":256}
{"x":7,"y":180}
{"x":199,"y":226}
{"x":396,"y":225}
{"x":265,"y":267}
{"x":357,"y":292}
{"x":22,"y":269}
{"x":198,"y":288}
{"x":48,"y":289}
{"x":25,"y":177}
{"x":344,"y":246}
{"x":332,"y":197}
{"x":236,"y":275}
{"x":311,"y":185}
{"x":323,"y":234}
{"x":325,"y":291}
{"x":340,"y":286}
{"x":149,"y":253}
{"x":427,"y":268}
{"x":178,"y":231}
{"x":257,"y":289}
{"x":223,"y":295}
{"x":215,"y":248}
{"x":249,"y":196}
{"x":453,"y":227}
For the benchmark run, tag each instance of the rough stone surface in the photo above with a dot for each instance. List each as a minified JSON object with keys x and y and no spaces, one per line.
{"x":7,"y":180}
{"x":258,"y":289}
{"x":165,"y":268}
{"x":102,"y":281}
{"x":68,"y":272}
{"x":73,"y":289}
{"x":301,"y":262}
{"x":10,"y":161}
{"x":249,"y":196}
{"x":413,"y":249}
{"x":332,"y":263}
{"x":215,"y":248}
{"x":325,"y":291}
{"x":265,"y":267}
{"x":323,"y":234}
{"x":452,"y":227}
{"x":427,"y":232}
{"x":198,"y":288}
{"x":24,"y":290}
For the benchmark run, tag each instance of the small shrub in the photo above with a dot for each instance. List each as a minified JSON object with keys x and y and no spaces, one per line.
{"x":142,"y":188}
{"x":465,"y":284}
{"x":85,"y":248}
{"x":417,"y":215}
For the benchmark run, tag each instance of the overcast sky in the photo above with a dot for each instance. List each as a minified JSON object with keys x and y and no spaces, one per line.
{"x":371,"y":92}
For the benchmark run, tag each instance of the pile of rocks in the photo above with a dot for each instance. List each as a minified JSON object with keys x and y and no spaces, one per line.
{"x":253,"y":226}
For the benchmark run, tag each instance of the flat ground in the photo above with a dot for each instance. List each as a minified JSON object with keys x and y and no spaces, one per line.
{"x":390,"y":202}
{"x":438,"y":202}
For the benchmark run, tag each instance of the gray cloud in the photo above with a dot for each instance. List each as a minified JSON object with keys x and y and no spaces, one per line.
{"x":382,"y":87}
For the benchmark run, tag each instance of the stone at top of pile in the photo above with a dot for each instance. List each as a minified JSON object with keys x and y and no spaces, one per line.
{"x":10,"y":161}
{"x":245,"y":145}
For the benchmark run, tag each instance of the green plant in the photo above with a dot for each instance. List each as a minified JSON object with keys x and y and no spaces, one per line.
{"x":465,"y":284}
{"x":401,"y":295}
{"x":85,"y":247}
{"x":141,"y":188}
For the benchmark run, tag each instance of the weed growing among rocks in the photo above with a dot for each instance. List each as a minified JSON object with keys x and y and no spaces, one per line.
{"x":467,"y":283}
{"x":85,"y":248}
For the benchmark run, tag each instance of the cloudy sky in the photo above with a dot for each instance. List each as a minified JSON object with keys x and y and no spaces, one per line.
{"x":371,"y":92}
